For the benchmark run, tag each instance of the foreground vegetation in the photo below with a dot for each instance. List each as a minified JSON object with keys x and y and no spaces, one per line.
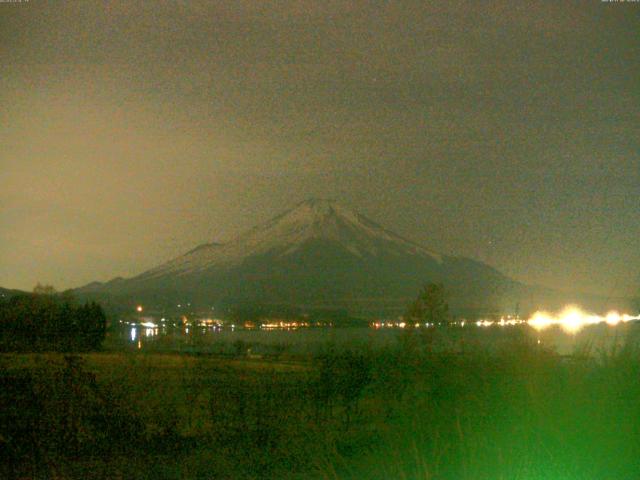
{"x":407,"y":412}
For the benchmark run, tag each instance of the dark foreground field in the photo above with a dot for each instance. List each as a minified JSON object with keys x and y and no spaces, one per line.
{"x":517,"y":412}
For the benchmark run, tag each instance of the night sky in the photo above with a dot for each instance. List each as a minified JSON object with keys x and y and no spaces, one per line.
{"x":508,"y":132}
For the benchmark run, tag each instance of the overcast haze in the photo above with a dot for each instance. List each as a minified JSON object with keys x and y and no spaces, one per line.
{"x":504,"y":131}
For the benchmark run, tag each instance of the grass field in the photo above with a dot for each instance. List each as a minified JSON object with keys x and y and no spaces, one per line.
{"x":517,"y":412}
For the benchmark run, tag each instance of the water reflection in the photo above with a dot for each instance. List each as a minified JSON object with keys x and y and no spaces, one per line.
{"x":176,"y":337}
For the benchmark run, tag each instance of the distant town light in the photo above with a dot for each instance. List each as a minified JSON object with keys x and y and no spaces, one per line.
{"x":613,"y":318}
{"x":139,"y":308}
{"x":541,"y":320}
{"x":572,"y":319}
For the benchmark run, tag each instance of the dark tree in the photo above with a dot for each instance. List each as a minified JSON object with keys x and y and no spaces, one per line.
{"x":430,"y":307}
{"x":40,"y":289}
{"x":45,"y":321}
{"x":91,"y":324}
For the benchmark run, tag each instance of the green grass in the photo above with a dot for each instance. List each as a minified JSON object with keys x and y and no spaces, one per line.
{"x":516,"y":412}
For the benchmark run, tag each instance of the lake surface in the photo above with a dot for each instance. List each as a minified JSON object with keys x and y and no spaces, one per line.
{"x":594,"y":338}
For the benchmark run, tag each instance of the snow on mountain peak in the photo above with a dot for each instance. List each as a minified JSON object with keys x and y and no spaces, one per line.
{"x":313,"y":212}
{"x":313,"y":219}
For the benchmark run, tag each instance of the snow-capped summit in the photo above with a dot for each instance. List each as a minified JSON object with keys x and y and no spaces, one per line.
{"x":311,"y":220}
{"x":319,"y":253}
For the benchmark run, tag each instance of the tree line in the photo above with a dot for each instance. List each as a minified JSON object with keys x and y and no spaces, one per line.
{"x":47,"y":321}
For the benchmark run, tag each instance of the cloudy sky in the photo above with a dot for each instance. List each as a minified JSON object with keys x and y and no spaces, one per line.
{"x":505,"y":131}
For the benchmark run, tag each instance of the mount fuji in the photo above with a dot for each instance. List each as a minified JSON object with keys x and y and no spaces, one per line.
{"x":319,"y":254}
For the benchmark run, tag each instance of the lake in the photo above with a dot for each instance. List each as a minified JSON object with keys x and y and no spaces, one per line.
{"x":216,"y":340}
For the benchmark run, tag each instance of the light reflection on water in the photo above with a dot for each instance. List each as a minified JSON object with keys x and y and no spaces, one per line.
{"x":225,"y":340}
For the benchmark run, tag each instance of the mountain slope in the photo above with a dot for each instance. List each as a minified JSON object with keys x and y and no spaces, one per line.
{"x":6,"y":293}
{"x":291,"y":231}
{"x":318,"y":254}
